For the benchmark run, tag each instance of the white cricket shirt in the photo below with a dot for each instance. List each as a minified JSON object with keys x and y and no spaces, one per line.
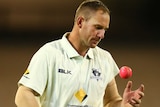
{"x":63,"y":78}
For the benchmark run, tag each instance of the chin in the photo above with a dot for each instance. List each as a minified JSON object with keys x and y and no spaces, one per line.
{"x":93,"y":46}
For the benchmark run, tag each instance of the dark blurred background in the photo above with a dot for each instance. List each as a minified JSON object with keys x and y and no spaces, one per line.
{"x":133,"y":40}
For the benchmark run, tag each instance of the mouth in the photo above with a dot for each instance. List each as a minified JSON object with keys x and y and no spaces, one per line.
{"x":95,"y":41}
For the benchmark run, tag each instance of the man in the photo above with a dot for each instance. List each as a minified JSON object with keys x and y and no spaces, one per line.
{"x":74,"y":71}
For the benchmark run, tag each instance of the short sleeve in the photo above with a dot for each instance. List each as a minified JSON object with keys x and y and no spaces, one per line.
{"x":113,"y":67}
{"x":35,"y":76}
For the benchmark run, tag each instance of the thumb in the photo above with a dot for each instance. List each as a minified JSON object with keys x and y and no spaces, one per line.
{"x":128,"y":86}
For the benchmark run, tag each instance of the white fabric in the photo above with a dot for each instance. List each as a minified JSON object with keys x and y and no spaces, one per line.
{"x":57,"y":72}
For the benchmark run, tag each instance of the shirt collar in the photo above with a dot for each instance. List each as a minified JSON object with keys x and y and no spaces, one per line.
{"x":90,"y":53}
{"x":71,"y":52}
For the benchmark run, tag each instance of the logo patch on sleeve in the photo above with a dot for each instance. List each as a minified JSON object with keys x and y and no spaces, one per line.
{"x":26,"y":72}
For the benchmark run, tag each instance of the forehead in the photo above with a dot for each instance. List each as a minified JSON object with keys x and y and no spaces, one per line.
{"x":100,"y":18}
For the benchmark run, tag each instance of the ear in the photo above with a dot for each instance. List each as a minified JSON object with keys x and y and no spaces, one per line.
{"x":80,"y":21}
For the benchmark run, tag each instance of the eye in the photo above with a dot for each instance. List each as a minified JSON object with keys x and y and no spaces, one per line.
{"x":106,"y":29}
{"x":98,"y":27}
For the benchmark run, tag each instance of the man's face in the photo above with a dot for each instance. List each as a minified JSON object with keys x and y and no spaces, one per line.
{"x":93,"y":29}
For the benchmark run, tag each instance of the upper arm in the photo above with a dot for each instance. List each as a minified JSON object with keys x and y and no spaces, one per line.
{"x":111,"y":93}
{"x":26,"y":97}
{"x":23,"y":88}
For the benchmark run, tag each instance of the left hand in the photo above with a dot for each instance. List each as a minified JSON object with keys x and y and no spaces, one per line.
{"x":132,"y":98}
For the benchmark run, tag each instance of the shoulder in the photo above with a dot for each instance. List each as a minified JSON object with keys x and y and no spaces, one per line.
{"x":51,"y":46}
{"x":48,"y":50}
{"x":102,"y":55}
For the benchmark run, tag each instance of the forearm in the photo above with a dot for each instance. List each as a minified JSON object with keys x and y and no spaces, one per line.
{"x":130,"y":98}
{"x":112,"y":98}
{"x":25,"y":99}
{"x":113,"y":104}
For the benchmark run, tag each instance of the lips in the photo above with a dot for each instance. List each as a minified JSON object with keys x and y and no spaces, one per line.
{"x":95,"y":41}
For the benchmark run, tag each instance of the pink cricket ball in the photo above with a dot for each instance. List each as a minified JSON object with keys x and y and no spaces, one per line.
{"x":125,"y":72}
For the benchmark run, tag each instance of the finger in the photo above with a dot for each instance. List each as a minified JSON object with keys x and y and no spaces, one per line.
{"x":129,"y":86}
{"x":141,"y":94}
{"x":138,"y":94}
{"x":141,"y":91}
{"x":135,"y":105}
{"x":141,"y":88}
{"x":135,"y":102}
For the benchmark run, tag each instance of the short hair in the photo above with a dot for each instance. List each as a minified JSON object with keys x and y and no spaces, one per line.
{"x":89,"y":6}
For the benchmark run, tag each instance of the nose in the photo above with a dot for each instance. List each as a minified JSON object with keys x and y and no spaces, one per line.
{"x":101,"y":33}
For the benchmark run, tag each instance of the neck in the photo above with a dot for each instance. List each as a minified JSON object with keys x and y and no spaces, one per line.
{"x":73,"y":38}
